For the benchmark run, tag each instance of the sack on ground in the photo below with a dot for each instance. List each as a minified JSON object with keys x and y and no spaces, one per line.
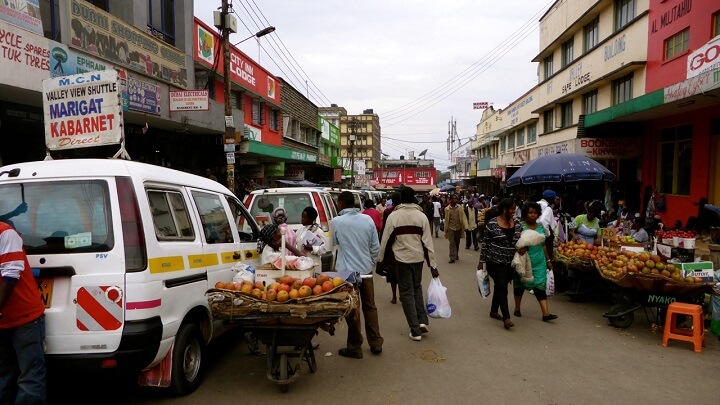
{"x":483,"y":281}
{"x":438,"y":305}
{"x":550,"y":284}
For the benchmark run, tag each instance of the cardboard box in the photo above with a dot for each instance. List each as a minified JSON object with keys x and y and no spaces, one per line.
{"x":703,"y":270}
{"x":267,"y":274}
{"x":682,"y":255}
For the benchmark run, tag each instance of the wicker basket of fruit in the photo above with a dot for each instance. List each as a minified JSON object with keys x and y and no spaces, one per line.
{"x":577,"y":255}
{"x":288,"y":301}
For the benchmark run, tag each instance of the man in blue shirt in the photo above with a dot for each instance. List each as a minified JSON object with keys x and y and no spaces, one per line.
{"x":356,"y":237}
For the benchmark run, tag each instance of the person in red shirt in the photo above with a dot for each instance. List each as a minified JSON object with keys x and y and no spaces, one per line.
{"x":373,"y":213}
{"x":22,"y":325}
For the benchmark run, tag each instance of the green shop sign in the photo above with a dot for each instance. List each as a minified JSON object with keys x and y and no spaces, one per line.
{"x":275,"y":169}
{"x":282,"y":153}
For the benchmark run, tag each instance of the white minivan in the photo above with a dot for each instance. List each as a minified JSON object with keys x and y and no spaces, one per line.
{"x":124,"y":253}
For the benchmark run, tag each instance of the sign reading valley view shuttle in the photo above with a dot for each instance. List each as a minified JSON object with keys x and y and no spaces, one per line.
{"x":82,"y":110}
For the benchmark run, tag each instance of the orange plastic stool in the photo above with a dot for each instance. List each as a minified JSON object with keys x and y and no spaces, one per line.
{"x":696,"y":335}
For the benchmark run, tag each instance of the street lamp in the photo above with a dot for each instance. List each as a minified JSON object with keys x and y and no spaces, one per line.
{"x":258,"y":34}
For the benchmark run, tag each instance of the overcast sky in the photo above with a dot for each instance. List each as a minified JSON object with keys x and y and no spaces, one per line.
{"x":415,"y":63}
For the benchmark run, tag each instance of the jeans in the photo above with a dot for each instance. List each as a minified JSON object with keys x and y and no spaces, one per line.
{"x":411,"y":295}
{"x":454,"y":238}
{"x":501,"y":275}
{"x":372,"y":325}
{"x":22,"y":363}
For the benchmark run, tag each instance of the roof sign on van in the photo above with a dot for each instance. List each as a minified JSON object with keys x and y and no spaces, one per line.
{"x":82,"y":110}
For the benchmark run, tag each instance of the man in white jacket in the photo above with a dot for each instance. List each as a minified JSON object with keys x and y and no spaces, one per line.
{"x":547,"y":217}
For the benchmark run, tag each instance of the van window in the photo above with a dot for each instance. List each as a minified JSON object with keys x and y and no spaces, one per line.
{"x":214,"y":218}
{"x":170,"y":215}
{"x":246,"y":229}
{"x":61,"y":216}
{"x":294,"y":204}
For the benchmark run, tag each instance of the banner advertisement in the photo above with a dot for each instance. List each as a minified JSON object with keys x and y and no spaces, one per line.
{"x":22,"y":13}
{"x":24,"y":58}
{"x":407,"y":176}
{"x":190,"y":100}
{"x":704,"y":59}
{"x":82,"y":110}
{"x":608,"y":148}
{"x":143,"y":96}
{"x":205,"y":45}
{"x":101,"y":34}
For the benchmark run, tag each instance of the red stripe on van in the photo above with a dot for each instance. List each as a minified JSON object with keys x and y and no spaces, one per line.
{"x":101,"y":315}
{"x":81,"y":326}
{"x":143,"y":304}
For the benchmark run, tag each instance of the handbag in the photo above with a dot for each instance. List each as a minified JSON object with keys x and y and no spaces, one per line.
{"x":442,"y":225}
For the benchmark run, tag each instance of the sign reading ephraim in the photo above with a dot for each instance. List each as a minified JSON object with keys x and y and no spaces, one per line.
{"x":101,"y":34}
{"x":82,"y":110}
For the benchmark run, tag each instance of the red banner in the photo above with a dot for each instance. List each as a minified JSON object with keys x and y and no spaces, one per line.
{"x":407,"y":176}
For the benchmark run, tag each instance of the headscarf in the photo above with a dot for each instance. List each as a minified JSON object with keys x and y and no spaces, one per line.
{"x":279,"y":216}
{"x":266,"y":237}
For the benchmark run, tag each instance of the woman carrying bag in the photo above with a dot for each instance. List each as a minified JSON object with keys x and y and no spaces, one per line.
{"x":498,"y":249}
{"x":540,"y":263}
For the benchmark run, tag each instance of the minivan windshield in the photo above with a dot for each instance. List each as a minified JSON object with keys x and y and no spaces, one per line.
{"x":294,"y":203}
{"x":59,"y":216}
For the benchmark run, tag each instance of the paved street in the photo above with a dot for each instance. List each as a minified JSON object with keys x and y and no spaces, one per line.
{"x":577,"y":359}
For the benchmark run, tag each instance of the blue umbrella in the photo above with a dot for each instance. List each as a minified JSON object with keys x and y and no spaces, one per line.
{"x":560,"y":167}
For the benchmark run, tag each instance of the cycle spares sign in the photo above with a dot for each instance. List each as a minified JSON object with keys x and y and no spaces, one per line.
{"x":82,"y":110}
{"x":108,"y":37}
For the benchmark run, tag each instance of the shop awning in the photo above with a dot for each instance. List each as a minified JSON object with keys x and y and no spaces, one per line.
{"x":298,"y":183}
{"x":630,"y":107}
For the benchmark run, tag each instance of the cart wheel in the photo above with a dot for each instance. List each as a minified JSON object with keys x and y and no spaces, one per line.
{"x":310,"y":359}
{"x":283,"y":368}
{"x":620,"y":321}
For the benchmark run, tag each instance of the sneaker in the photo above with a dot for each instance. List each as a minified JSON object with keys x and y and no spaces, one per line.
{"x":424,"y":328}
{"x":415,"y":338}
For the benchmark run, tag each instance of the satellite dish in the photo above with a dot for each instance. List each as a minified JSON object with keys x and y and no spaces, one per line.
{"x":423,"y":153}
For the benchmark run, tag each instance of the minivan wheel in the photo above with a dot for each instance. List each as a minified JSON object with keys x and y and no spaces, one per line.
{"x":187,"y":353}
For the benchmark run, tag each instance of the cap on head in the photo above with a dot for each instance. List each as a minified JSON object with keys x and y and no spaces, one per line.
{"x":549,"y":195}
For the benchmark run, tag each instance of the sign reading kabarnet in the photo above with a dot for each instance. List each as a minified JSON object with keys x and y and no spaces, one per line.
{"x":82,"y":110}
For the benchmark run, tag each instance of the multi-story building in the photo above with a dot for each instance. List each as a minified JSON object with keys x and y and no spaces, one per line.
{"x":486,"y":148}
{"x":592,"y":56}
{"x":360,"y":146}
{"x":151,"y":47}
{"x":678,"y":119}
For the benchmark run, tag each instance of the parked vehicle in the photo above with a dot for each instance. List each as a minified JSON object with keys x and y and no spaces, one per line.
{"x":359,"y":196}
{"x":261,"y":204}
{"x":124,"y":254}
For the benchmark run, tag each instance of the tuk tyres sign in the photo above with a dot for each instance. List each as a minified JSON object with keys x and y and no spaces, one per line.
{"x":82,"y":110}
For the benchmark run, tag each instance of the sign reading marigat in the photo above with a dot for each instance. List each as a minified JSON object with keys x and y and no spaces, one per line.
{"x":82,"y":110}
{"x":101,"y":34}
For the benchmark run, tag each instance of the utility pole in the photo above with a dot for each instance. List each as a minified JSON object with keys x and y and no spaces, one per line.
{"x":229,"y":138}
{"x":351,"y":138}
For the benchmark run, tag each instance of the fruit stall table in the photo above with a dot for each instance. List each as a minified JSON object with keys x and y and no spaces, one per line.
{"x":645,"y":281}
{"x":286,"y":328}
{"x":576,"y":260}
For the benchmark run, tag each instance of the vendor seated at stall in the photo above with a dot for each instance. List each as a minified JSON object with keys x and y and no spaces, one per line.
{"x":587,"y":226}
{"x":638,"y":231}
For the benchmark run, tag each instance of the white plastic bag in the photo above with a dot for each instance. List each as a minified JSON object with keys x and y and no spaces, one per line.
{"x":438,"y":305}
{"x":550,"y":284}
{"x":245,"y":272}
{"x":483,"y":281}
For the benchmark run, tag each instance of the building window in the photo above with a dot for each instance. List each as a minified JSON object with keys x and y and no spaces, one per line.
{"x":625,"y":11}
{"x":567,"y":114}
{"x":590,"y":102}
{"x":532,"y":133}
{"x":274,"y":120}
{"x":161,"y":20}
{"x":50,"y":17}
{"x":548,"y":121}
{"x":567,"y":52}
{"x":256,"y":112}
{"x":677,"y":44}
{"x":674,"y":158}
{"x":592,"y":35}
{"x":502,"y":144}
{"x":520,"y":135}
{"x":101,"y":4}
{"x":511,"y":141}
{"x":548,"y":66}
{"x":716,"y":24}
{"x":622,"y":89}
